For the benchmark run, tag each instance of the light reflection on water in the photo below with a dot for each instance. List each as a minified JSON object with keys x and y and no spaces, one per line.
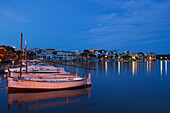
{"x":147,"y":67}
{"x":106,"y":68}
{"x":166,"y":66}
{"x":134,"y":68}
{"x":128,"y":87}
{"x":119,"y":67}
{"x":161,"y":67}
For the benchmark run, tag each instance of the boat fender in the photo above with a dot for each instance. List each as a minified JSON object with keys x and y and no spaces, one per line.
{"x":89,"y":76}
{"x":86,"y":76}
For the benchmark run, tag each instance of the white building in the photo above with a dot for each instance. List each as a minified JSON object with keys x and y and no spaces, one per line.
{"x":50,"y":50}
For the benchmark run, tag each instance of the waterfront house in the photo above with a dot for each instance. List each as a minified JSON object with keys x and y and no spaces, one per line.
{"x":76,"y":54}
{"x":151,"y":56}
{"x":110,"y":55}
{"x":141,"y":56}
{"x":61,"y":55}
{"x":129,"y":53}
{"x":116,"y":54}
{"x":49,"y":50}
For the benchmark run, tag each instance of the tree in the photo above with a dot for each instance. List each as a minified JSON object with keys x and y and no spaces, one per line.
{"x":116,"y":55}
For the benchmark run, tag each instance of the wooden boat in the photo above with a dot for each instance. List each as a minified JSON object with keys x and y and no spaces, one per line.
{"x":42,"y":75}
{"x":15,"y":83}
{"x":41,"y":68}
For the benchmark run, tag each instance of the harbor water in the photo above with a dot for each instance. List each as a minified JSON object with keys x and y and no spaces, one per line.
{"x":117,"y":87}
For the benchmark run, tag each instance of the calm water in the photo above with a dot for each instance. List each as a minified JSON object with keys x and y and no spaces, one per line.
{"x":117,"y":87}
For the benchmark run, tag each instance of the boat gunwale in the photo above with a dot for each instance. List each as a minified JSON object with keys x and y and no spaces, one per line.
{"x":58,"y":73}
{"x":47,"y":81}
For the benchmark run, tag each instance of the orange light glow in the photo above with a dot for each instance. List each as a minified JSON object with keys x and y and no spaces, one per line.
{"x":134,"y":58}
{"x":149,"y":66}
{"x":150,"y":58}
{"x":134,"y":68}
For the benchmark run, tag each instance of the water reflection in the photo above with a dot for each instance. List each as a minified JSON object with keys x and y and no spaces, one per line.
{"x":45,"y":100}
{"x":111,"y":90}
{"x":134,"y":68}
{"x":119,"y":67}
{"x":106,"y":68}
{"x":161,"y":67}
{"x":147,"y":67}
{"x":150,"y":62}
{"x":166,"y":66}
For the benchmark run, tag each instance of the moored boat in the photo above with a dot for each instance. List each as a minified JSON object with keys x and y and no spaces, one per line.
{"x":43,"y":68}
{"x":25,"y":83}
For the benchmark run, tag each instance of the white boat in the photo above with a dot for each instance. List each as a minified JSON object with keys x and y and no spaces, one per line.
{"x":28,"y":83}
{"x":42,"y":75}
{"x":41,"y":68}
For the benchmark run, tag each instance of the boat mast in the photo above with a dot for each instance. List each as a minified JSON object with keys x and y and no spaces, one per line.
{"x":72,"y":65}
{"x":83,"y":69}
{"x":26,"y":54}
{"x":21,"y":58}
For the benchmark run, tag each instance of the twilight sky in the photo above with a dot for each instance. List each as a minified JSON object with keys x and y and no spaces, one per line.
{"x":136,"y":25}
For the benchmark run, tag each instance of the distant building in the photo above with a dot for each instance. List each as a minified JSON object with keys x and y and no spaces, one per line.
{"x":49,"y":50}
{"x":93,"y":51}
{"x":129,"y":53}
{"x":140,"y":56}
{"x":116,"y":54}
{"x":36,"y":50}
{"x":19,"y":49}
{"x":76,"y":54}
{"x":110,"y":55}
{"x":60,"y":55}
{"x":151,"y":56}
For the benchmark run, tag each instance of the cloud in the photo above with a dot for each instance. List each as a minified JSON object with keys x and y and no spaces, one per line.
{"x":9,"y":9}
{"x":12,"y":16}
{"x":132,"y":20}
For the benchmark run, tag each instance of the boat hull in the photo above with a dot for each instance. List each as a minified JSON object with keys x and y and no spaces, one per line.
{"x":19,"y":84}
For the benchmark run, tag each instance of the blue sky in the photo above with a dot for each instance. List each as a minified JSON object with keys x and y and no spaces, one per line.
{"x":136,"y":25}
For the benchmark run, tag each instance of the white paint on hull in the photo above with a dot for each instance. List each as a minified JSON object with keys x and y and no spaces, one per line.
{"x":28,"y":84}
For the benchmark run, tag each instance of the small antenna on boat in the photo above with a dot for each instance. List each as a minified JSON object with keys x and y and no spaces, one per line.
{"x":21,"y":58}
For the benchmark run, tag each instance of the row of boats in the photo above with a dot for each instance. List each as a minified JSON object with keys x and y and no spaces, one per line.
{"x":43,"y":76}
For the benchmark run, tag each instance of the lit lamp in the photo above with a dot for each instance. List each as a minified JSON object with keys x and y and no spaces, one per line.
{"x":134,"y":58}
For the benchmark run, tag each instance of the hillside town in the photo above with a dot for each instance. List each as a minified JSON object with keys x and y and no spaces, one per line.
{"x":12,"y":53}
